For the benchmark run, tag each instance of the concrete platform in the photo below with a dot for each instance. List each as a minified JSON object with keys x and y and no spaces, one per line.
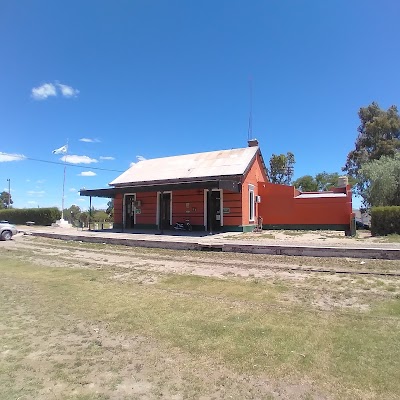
{"x":202,"y":241}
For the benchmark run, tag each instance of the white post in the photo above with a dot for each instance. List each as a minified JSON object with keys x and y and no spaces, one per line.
{"x":9,"y":192}
{"x":63,"y":191}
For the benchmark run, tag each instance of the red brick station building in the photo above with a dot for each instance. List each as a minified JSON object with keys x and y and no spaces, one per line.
{"x":219,"y":191}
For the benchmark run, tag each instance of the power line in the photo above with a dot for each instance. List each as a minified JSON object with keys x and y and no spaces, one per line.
{"x":69,"y":164}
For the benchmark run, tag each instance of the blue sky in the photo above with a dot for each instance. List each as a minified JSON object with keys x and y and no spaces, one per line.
{"x":148,"y":78}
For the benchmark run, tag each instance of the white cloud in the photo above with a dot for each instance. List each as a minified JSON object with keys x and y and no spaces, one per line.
{"x":72,"y":190}
{"x":38,"y":193}
{"x":6,"y":157}
{"x":74,"y":159}
{"x":106,"y":158}
{"x":87,"y":173}
{"x":81,"y":199}
{"x":138,"y":159}
{"x":31,"y":202}
{"x":44,"y":91}
{"x":88,"y":140}
{"x":67,"y":91}
{"x":40,"y":181}
{"x":53,"y":90}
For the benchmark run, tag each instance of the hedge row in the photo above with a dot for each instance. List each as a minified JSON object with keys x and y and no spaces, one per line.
{"x":40,"y":216}
{"x":385,"y":220}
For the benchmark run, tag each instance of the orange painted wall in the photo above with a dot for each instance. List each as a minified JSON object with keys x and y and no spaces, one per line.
{"x":188,"y":205}
{"x":148,"y":208}
{"x":279,"y":206}
{"x":233,"y":201}
{"x":254,"y":176}
{"x":118,"y":209}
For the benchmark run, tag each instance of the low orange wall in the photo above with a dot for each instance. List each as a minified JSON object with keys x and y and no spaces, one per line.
{"x":279,"y":206}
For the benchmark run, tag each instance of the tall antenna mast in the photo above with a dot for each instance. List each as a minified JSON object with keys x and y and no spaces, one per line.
{"x":250,"y":127}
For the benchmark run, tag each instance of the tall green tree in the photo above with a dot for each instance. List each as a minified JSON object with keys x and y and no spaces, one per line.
{"x":326,"y":180}
{"x":323,"y":181}
{"x":381,"y":179}
{"x":281,"y":168}
{"x":378,"y":135}
{"x":306,"y":183}
{"x":4,"y":200}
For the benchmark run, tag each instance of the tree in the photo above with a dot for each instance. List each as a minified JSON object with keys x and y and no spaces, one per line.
{"x":72,"y":214}
{"x":100,"y":216}
{"x":381,"y":179}
{"x":323,"y":181}
{"x":281,"y":168}
{"x":110,"y":208}
{"x":378,"y":135}
{"x":4,"y":200}
{"x":326,"y":181}
{"x":84,"y":218}
{"x":306,"y":183}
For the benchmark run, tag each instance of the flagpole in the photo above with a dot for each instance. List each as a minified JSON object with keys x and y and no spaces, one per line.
{"x":63,"y":191}
{"x":63,"y":188}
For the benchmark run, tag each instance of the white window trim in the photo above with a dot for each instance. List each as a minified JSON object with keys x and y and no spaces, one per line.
{"x":124,"y":208}
{"x":252,"y":207}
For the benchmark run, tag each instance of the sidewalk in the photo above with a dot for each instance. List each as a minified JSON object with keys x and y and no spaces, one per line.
{"x":265,"y":243}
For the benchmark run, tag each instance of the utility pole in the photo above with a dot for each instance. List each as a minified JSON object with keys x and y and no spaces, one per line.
{"x":9,"y":192}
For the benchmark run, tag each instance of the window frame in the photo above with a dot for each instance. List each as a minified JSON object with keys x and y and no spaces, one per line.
{"x":252,"y":205}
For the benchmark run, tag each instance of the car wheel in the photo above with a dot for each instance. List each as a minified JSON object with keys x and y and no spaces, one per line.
{"x":6,"y":235}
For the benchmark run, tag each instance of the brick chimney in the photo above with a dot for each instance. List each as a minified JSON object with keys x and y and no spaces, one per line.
{"x":252,"y":142}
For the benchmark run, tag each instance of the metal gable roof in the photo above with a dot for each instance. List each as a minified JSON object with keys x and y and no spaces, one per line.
{"x":189,"y":167}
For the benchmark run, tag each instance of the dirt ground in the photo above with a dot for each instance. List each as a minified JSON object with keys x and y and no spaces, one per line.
{"x":83,"y":359}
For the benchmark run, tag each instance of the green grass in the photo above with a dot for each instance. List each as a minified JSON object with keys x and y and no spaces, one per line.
{"x":250,"y":236}
{"x":245,"y":325}
{"x":294,"y":233}
{"x":392,"y":238}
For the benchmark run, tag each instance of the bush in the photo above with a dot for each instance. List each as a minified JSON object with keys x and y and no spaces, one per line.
{"x":40,"y":216}
{"x":385,"y":220}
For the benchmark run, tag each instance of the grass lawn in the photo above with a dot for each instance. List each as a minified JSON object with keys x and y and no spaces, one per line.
{"x":84,"y":333}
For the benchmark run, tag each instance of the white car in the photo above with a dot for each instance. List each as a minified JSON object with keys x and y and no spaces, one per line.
{"x":7,"y":230}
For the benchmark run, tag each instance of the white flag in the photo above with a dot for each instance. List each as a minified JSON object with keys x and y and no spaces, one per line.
{"x":61,"y":150}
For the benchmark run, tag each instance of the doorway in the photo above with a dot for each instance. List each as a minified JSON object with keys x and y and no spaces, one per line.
{"x":165,"y":210}
{"x":214,"y":218}
{"x":130,"y":211}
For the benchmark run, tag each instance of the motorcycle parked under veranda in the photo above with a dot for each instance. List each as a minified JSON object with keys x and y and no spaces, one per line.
{"x":183,"y":226}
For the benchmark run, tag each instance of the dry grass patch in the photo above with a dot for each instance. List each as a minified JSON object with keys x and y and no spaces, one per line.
{"x":201,"y":336}
{"x":73,"y":330}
